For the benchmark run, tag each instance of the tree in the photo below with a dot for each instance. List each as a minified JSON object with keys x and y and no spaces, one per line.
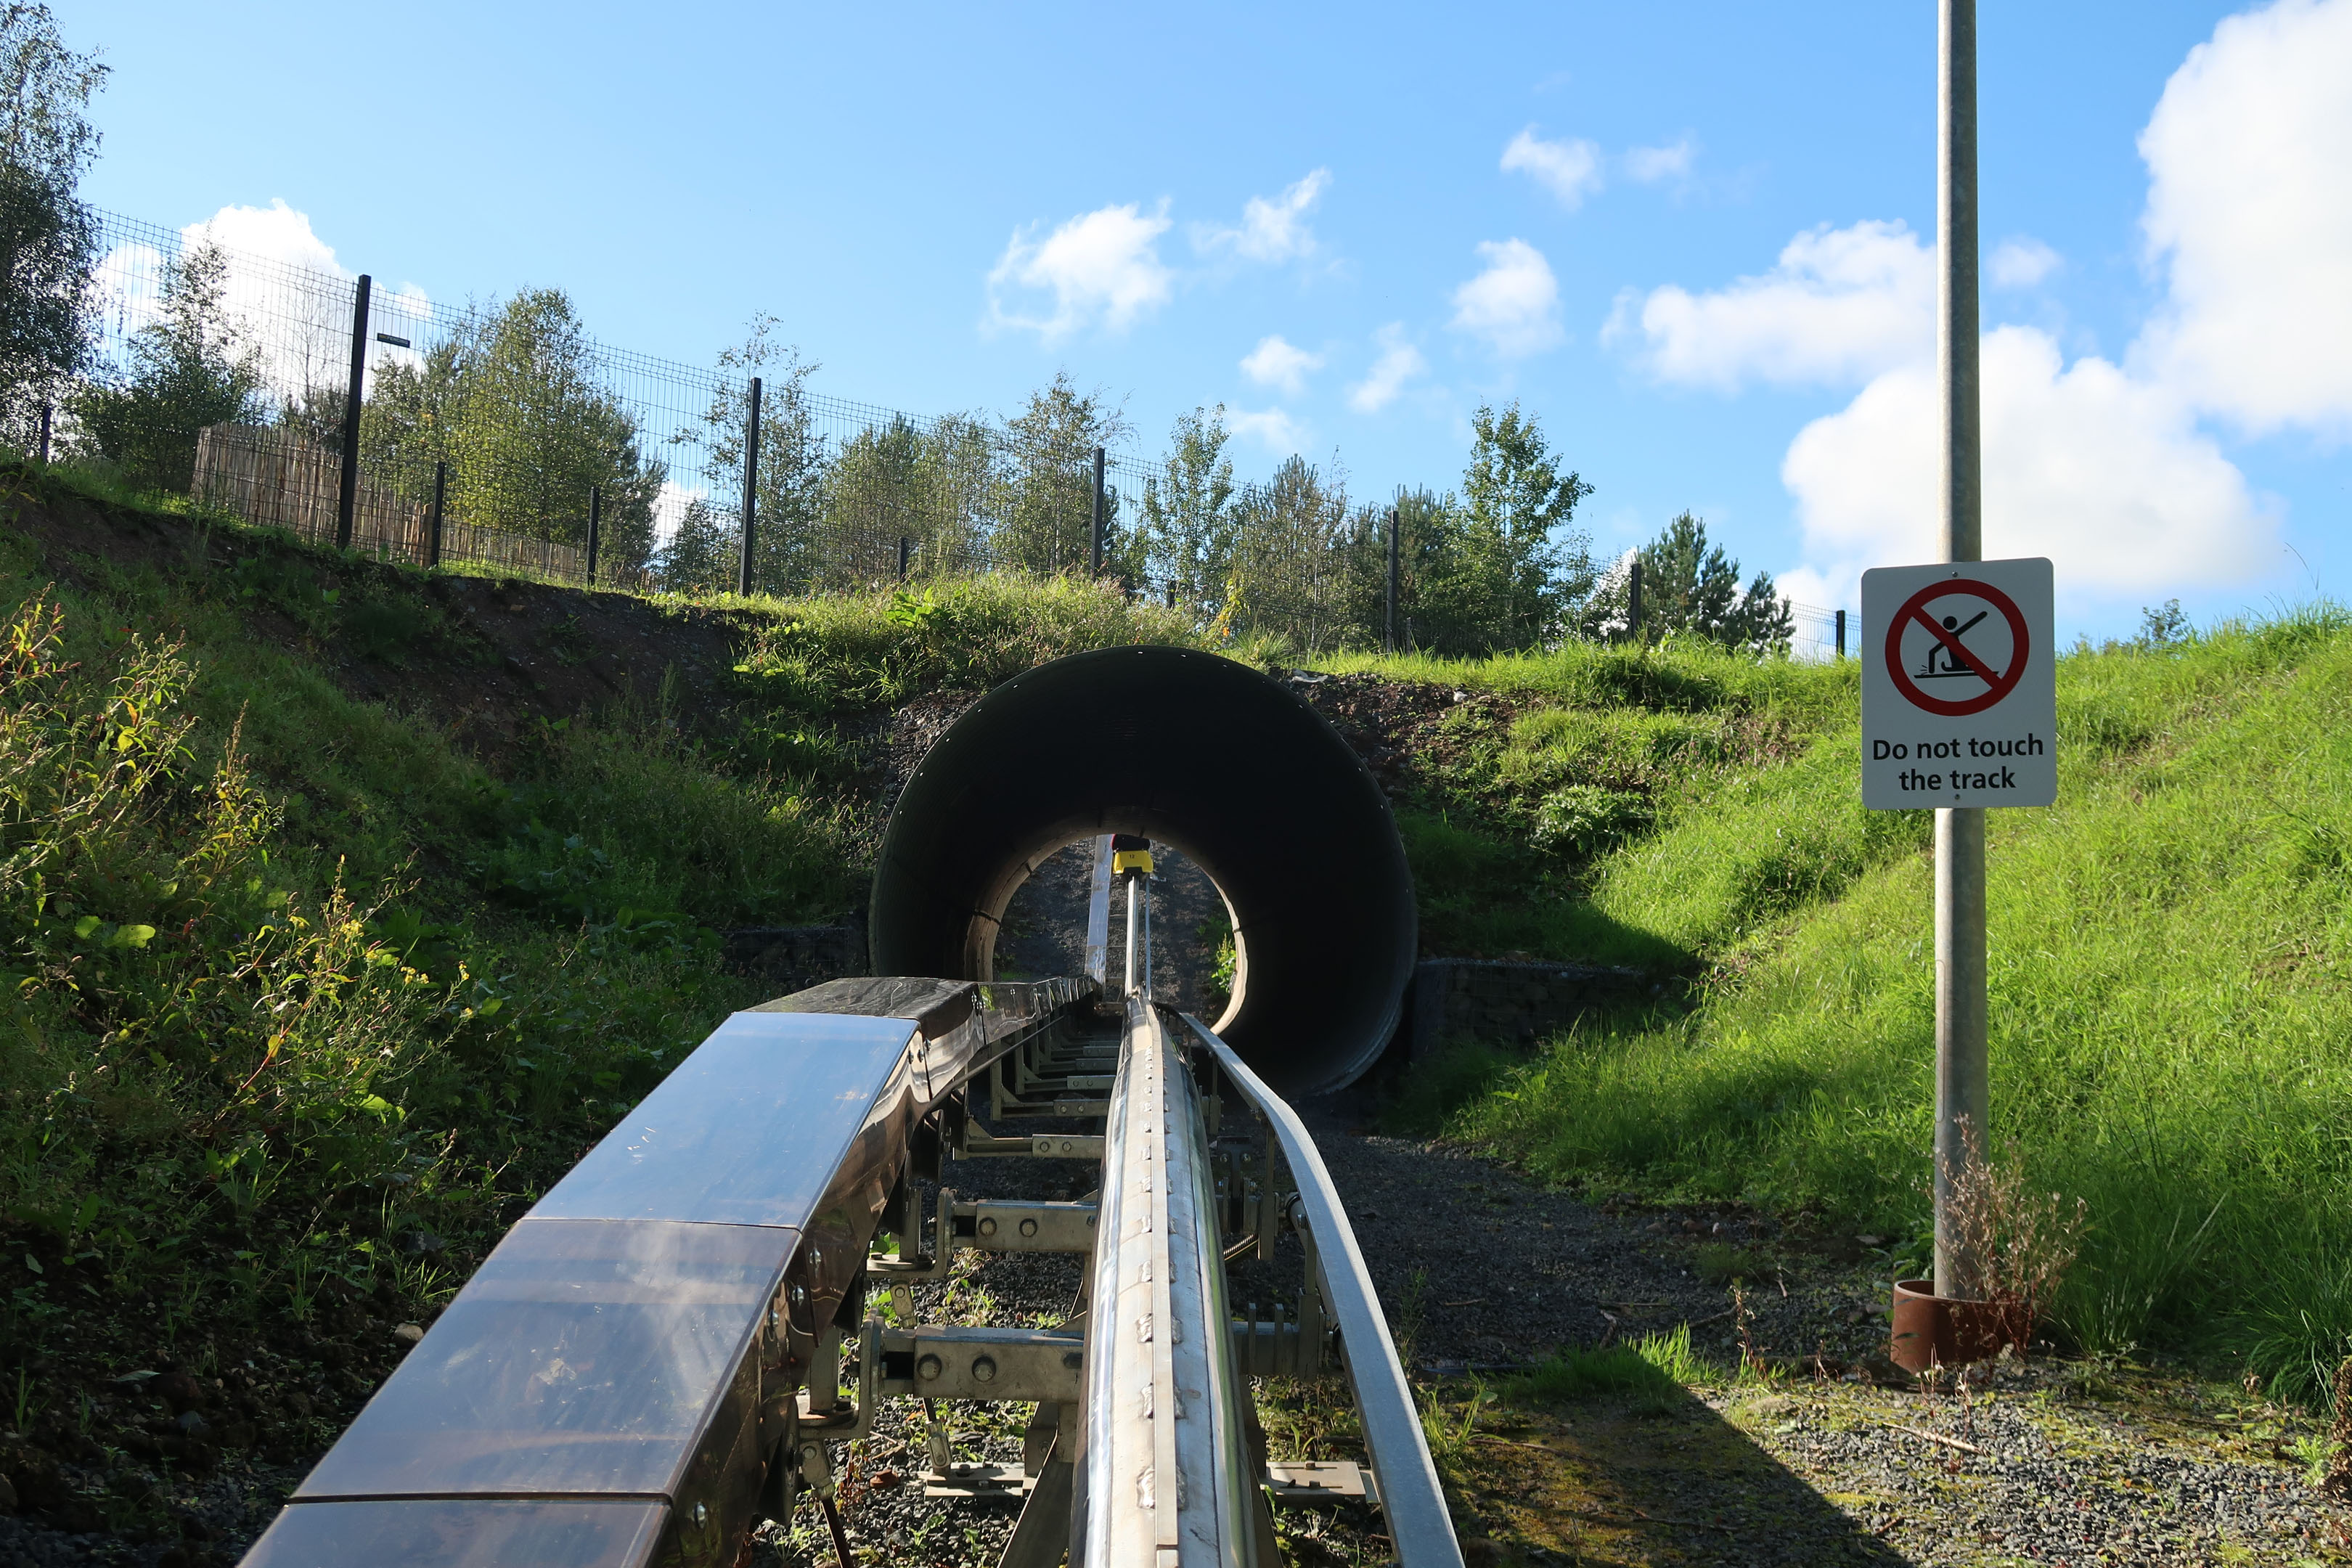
{"x":1429,"y":527}
{"x":1689,"y":587}
{"x":193,"y":366}
{"x":1045,"y":512}
{"x":1513,"y":565}
{"x":701,"y":556}
{"x":1288,"y":572}
{"x":1187,"y":527}
{"x":927,"y":485}
{"x":786,"y":547}
{"x":48,"y":241}
{"x":514,"y":401}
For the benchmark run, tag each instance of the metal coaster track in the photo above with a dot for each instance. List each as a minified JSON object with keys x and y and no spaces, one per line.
{"x":671,"y":1346}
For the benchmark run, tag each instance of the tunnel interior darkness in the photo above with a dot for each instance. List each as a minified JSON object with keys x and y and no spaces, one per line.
{"x":1190,"y":750}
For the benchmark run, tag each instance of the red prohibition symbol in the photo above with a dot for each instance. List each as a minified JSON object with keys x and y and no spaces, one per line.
{"x":1998,"y":684}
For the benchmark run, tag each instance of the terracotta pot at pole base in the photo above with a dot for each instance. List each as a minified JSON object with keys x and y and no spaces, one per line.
{"x":1932,"y":1330}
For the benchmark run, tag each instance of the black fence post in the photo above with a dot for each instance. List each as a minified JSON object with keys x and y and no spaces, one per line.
{"x":750,"y":489}
{"x":1096,"y":567}
{"x":45,"y":431}
{"x":906,"y":547}
{"x":1840,"y":634}
{"x":1388,"y":623}
{"x":433,"y":525}
{"x":347,"y":499}
{"x":1635,"y":618}
{"x":595,"y":527}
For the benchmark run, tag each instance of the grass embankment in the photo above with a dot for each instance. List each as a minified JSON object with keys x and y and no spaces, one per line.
{"x":2171,"y":984}
{"x":338,"y":917}
{"x":1529,"y":803}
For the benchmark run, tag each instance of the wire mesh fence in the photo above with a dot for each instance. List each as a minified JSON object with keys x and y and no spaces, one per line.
{"x":505,"y":436}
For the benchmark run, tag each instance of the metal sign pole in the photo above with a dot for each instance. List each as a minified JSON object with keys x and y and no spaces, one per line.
{"x":1962,"y":1074}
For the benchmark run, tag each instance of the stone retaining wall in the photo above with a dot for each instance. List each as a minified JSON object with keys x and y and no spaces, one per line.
{"x":1509,"y":1003}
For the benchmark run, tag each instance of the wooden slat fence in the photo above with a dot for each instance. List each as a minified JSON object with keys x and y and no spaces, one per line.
{"x":269,"y":477}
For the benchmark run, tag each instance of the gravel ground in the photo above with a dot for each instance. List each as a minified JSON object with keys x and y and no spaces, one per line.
{"x":2038,"y":1479}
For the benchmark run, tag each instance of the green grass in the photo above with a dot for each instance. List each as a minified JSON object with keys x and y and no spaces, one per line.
{"x":1543,"y":825}
{"x":2171,"y":992}
{"x":1652,"y":1372}
{"x":294,"y":976}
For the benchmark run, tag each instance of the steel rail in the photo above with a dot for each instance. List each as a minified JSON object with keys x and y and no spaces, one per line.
{"x":1409,"y":1496}
{"x":1167,"y":1479}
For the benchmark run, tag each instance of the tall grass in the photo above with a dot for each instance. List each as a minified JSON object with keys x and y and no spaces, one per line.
{"x":2171,"y":994}
{"x":296,"y":981}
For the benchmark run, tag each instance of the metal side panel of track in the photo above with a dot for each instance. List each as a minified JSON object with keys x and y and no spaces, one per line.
{"x":611,"y":1386}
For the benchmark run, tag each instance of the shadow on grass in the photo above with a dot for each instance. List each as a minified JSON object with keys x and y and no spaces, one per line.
{"x":1601,"y":1457}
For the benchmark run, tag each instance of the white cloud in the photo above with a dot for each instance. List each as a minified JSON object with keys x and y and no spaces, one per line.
{"x":1840,"y":305}
{"x":1569,"y":170}
{"x":1514,"y":304}
{"x":2104,"y":473}
{"x":2247,"y":212}
{"x":1102,"y":267}
{"x":1648,"y":165}
{"x":1825,"y":590}
{"x":291,"y":295}
{"x":1275,"y":362}
{"x":2103,"y":467}
{"x":1270,"y":230}
{"x":2022,"y":262}
{"x":1280,"y":434}
{"x":1398,"y":363}
{"x":274,"y":233}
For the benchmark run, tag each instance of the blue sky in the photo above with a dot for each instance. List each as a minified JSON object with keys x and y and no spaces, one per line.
{"x":1692,"y":239}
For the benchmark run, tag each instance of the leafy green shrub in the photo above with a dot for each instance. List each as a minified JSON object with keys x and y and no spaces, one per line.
{"x":851,"y":652}
{"x":164,"y":984}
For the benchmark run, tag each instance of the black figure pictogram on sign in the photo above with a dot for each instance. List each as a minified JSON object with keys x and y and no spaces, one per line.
{"x":1949,"y":656}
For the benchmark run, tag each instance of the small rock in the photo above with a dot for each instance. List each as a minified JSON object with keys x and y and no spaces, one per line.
{"x":408,"y":1333}
{"x":178,"y":1390}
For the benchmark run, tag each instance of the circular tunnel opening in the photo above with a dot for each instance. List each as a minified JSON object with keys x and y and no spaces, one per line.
{"x":1231,"y":769}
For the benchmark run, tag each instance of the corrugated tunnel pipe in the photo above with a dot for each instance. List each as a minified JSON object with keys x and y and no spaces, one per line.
{"x":1221,"y":762}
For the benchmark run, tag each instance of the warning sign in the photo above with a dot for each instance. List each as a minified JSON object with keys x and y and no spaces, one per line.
{"x":1960,"y":692}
